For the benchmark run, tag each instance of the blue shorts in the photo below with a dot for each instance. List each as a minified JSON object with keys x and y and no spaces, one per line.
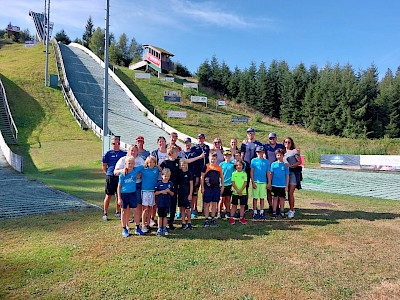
{"x":292,"y":178}
{"x":129,"y":200}
{"x":211,"y":195}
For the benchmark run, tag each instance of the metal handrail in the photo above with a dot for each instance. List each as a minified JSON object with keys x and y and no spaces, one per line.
{"x":14,"y":128}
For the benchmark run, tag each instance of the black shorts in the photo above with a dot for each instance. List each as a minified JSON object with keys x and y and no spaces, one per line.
{"x":227,"y":191}
{"x":237,"y":198}
{"x":111,"y":184}
{"x":278,"y":192}
{"x":183,"y":201}
{"x":162,"y":212}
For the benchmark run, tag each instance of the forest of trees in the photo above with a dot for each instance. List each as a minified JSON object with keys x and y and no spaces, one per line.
{"x":333,"y":100}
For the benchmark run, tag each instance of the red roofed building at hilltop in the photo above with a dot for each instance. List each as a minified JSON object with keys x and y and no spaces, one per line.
{"x":156,"y":58}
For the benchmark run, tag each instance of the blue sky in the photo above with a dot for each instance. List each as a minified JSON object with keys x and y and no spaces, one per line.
{"x":237,"y":31}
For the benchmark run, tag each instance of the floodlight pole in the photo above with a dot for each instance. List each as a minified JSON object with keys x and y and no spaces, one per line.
{"x":47,"y":44}
{"x":106,"y":143}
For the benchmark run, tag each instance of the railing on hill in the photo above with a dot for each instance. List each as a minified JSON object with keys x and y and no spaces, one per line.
{"x":133,"y":98}
{"x":10,"y":119}
{"x":14,"y":160}
{"x":76,"y":110}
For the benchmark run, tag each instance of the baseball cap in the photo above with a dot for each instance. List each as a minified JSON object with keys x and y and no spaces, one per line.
{"x":227,"y":152}
{"x":260,"y":149}
{"x":251,"y":129}
{"x":187,"y":140}
{"x":201,"y":135}
{"x":140,"y":138}
{"x":272,"y":135}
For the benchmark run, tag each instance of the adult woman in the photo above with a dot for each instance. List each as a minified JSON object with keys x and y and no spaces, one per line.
{"x":160,"y":154}
{"x":292,"y":160}
{"x":217,"y":147}
{"x":234,"y":148}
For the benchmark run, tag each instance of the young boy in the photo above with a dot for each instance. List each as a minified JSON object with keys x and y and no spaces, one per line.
{"x":212,"y":186}
{"x":127,"y":196}
{"x":164,"y":190}
{"x":239,"y":183}
{"x":172,"y":163}
{"x":149,"y":179}
{"x":227,"y":170}
{"x":185,"y":194}
{"x":279,"y":179}
{"x":238,"y":157}
{"x":259,"y":168}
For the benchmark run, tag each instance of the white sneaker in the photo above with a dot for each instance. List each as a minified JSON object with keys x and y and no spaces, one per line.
{"x":152,"y":223}
{"x":290,"y":214}
{"x":105,"y":218}
{"x":144,"y":229}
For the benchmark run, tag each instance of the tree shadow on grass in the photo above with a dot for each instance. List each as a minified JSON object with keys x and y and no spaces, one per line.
{"x":304,"y":217}
{"x":27,"y":114}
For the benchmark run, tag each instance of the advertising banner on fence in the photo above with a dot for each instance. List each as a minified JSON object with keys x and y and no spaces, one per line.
{"x":237,"y":119}
{"x":142,"y":75}
{"x":342,"y":161}
{"x":169,"y":79}
{"x":191,"y":85}
{"x":380,"y":162}
{"x":172,"y":96}
{"x":176,"y":114}
{"x":200,"y":99}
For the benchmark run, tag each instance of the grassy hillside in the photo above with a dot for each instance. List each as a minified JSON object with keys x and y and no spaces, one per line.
{"x":217,"y":122}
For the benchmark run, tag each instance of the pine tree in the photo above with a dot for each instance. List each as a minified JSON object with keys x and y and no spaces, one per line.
{"x":233,"y":86}
{"x":261,"y":88}
{"x":252,"y":95}
{"x":89,"y":30}
{"x":204,"y":74}
{"x":226,"y":75}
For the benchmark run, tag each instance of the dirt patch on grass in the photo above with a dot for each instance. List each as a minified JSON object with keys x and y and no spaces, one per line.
{"x":385,"y":290}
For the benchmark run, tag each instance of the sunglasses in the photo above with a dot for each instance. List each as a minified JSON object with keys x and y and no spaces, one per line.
{"x":115,"y":143}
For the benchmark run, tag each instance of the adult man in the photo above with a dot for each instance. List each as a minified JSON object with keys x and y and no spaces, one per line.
{"x":198,"y":149}
{"x":187,"y":153}
{"x":248,"y":151}
{"x":109,"y":161}
{"x":172,"y":141}
{"x":270,"y":149}
{"x":143,"y":153}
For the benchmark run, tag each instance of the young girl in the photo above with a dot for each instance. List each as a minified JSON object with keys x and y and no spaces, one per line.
{"x":239,"y":182}
{"x":185,"y":194}
{"x":126,"y":194}
{"x":149,"y":181}
{"x":227,"y":170}
{"x":164,"y":190}
{"x":279,"y":173}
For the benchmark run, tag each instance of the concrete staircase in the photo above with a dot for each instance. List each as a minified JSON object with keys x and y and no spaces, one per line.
{"x":5,"y":123}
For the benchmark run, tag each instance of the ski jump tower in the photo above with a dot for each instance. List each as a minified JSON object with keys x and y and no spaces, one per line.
{"x":40,"y":21}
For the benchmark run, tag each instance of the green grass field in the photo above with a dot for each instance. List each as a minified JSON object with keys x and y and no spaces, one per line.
{"x":338,"y":247}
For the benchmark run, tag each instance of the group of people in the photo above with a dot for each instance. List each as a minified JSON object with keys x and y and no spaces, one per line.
{"x":154,"y":184}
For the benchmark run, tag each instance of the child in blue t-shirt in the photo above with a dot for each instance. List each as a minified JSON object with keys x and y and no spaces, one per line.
{"x":149,"y":181}
{"x":164,"y":190}
{"x":279,"y":179}
{"x":126,"y":195}
{"x":259,"y":168}
{"x":228,"y":168}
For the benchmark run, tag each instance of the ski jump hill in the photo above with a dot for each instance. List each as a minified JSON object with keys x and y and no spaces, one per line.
{"x":127,"y":116}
